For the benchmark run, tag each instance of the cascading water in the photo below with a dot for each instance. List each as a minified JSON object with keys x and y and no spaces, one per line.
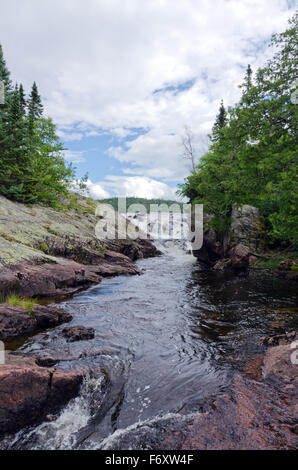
{"x":171,"y":340}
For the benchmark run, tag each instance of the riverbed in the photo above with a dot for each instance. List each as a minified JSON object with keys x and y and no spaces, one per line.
{"x":172,"y":339}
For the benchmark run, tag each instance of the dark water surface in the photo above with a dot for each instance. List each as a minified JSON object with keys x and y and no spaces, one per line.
{"x":172,"y":339}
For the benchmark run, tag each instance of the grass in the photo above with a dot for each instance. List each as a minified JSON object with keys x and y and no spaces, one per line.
{"x":17,"y":301}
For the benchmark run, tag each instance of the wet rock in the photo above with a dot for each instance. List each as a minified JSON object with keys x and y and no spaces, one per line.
{"x":212,"y":250}
{"x":139,"y":249}
{"x":223,"y":264}
{"x":260,"y":412}
{"x":28,"y":392}
{"x":46,"y":279}
{"x":16,"y":321}
{"x":276,"y":340}
{"x":78,"y":333}
{"x":46,"y":361}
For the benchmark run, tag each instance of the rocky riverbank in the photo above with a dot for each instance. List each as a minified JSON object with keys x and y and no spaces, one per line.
{"x":244,"y":246}
{"x":44,"y":252}
{"x":48,"y":253}
{"x":260,"y":412}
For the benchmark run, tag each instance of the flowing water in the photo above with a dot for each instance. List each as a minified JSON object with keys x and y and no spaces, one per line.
{"x":171,"y":339}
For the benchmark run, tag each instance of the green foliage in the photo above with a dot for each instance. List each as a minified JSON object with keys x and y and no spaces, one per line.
{"x":253,"y":157}
{"x":32,"y":167}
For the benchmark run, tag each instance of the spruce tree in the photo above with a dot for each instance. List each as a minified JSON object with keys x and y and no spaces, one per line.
{"x":220,"y":122}
{"x":4,"y":72}
{"x":35,"y":108}
{"x":22,"y":99}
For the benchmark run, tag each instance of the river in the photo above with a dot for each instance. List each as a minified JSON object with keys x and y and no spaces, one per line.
{"x":171,"y":339}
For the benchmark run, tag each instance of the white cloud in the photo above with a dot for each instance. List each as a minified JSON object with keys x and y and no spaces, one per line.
{"x":131,"y":186}
{"x":96,"y":190}
{"x":74,"y":157}
{"x":98,"y":63}
{"x":69,"y":136}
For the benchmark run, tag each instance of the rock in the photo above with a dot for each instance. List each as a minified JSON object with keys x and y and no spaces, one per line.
{"x":28,"y":392}
{"x":236,"y":248}
{"x":15,"y":321}
{"x":65,"y":276}
{"x":44,"y":252}
{"x":245,"y":227}
{"x":276,"y":340}
{"x":78,"y":333}
{"x":239,"y":256}
{"x":139,"y":249}
{"x":46,"y":361}
{"x":47,"y":279}
{"x":212,"y":250}
{"x":259,"y":413}
{"x":223,"y":264}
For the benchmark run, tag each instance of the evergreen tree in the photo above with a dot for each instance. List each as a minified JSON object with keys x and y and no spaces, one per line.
{"x":253,"y":159}
{"x":22,"y":98}
{"x":4,"y":72}
{"x":220,"y":122}
{"x":35,"y":107}
{"x":32,"y":167}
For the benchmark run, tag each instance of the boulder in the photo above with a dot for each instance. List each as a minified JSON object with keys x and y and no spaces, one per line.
{"x":212,"y":250}
{"x":29,"y":392}
{"x":78,"y":333}
{"x":236,"y":249}
{"x":245,"y":227}
{"x":16,"y":321}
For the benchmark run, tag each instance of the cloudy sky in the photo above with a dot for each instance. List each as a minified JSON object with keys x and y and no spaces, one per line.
{"x":121,"y":78}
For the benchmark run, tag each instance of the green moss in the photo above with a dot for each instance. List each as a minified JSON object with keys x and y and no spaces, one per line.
{"x":17,"y":301}
{"x":103,"y":249}
{"x":43,"y":247}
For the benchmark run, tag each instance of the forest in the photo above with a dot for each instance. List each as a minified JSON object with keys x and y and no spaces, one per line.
{"x":32,"y":166}
{"x":253,"y":154}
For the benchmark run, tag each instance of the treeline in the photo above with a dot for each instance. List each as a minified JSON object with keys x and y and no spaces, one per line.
{"x":253,"y":154}
{"x":32,"y":167}
{"x":113,"y":201}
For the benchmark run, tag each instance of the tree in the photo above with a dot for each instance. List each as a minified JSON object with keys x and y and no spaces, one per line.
{"x":248,"y":78}
{"x":4,"y":72}
{"x":22,"y":98}
{"x":220,"y":122}
{"x":32,"y":167}
{"x":35,"y":107}
{"x":252,"y":159}
{"x":188,"y":146}
{"x":50,"y":176}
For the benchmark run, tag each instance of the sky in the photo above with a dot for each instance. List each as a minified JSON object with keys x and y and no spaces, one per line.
{"x":122,"y":78}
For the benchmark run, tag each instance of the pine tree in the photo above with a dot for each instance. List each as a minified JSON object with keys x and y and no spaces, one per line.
{"x":22,"y":98}
{"x":14,"y":157}
{"x":35,"y":107}
{"x":220,"y":122}
{"x":35,"y":103}
{"x":4,"y":72}
{"x":32,"y":167}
